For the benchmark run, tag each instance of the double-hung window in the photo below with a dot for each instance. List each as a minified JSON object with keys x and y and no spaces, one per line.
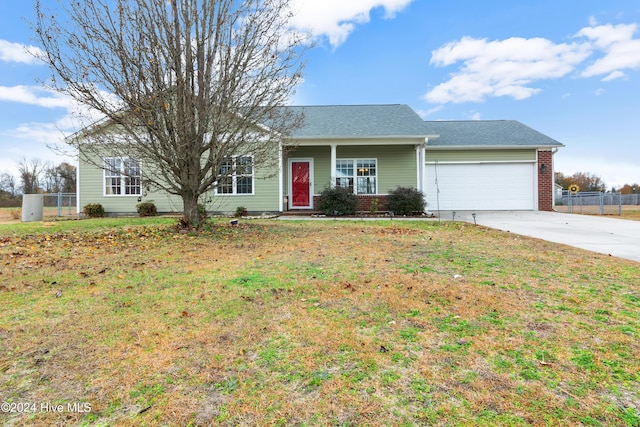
{"x":236,"y":175}
{"x":122,"y":176}
{"x":358,"y":175}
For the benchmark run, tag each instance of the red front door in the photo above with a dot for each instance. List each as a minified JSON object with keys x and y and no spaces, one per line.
{"x":301,"y":184}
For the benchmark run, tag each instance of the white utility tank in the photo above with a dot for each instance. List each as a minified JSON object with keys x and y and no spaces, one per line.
{"x":31,"y":207}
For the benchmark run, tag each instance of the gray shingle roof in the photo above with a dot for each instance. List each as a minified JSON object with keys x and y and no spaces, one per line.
{"x":487,"y":133}
{"x":336,"y":121}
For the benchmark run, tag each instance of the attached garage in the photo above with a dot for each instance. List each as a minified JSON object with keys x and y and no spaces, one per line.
{"x":481,"y":186}
{"x":488,"y":165}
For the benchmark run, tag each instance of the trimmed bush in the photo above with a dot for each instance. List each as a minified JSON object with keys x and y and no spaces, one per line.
{"x":93,"y":210}
{"x":146,"y":209}
{"x":405,"y":201}
{"x":337,"y":201}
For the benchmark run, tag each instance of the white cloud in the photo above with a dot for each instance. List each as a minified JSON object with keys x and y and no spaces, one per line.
{"x":45,"y":134}
{"x":502,"y":67}
{"x":425,"y":114}
{"x":474,"y":115}
{"x":16,"y":52}
{"x":48,"y":133}
{"x":336,"y":19}
{"x":614,"y":75}
{"x":35,"y":96}
{"x":511,"y":67}
{"x":621,"y":50}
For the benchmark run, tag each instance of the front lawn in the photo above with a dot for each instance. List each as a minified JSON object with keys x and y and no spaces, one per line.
{"x":126,"y":322}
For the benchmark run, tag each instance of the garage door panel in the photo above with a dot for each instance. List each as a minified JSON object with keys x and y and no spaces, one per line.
{"x":508,"y":186}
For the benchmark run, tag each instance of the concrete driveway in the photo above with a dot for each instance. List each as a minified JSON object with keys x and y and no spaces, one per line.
{"x":611,"y":236}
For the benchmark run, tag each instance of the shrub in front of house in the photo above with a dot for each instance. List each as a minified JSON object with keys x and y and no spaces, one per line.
{"x":93,"y":210}
{"x":146,"y":209}
{"x":337,"y":201}
{"x":405,"y":201}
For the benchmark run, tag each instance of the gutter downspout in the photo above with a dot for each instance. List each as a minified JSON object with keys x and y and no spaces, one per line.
{"x":553,"y":178}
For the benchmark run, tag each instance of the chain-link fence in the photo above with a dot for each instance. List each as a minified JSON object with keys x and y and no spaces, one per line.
{"x":594,"y":202}
{"x":59,"y":204}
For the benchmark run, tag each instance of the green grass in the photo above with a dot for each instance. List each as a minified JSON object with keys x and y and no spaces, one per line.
{"x":314,"y":323}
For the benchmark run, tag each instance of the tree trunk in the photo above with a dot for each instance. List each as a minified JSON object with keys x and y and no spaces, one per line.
{"x":190,"y":214}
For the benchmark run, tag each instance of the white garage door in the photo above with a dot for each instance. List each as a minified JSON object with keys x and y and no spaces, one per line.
{"x":487,"y":186}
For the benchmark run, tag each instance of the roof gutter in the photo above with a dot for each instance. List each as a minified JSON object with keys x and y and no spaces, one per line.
{"x":491,"y":147}
{"x":334,"y":137}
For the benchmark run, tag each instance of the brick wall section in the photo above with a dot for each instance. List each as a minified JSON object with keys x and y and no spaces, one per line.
{"x":545,"y":181}
{"x":364,"y":203}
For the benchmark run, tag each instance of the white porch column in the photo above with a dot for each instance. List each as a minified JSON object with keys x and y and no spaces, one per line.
{"x":420,"y":166}
{"x":418,"y":170}
{"x":333,"y":164}
{"x":423,"y":166}
{"x":280,"y":179}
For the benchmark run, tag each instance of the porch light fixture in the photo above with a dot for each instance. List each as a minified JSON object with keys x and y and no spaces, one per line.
{"x":543,"y":168}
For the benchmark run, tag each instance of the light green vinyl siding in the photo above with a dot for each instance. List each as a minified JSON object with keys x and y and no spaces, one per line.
{"x":480,"y":155}
{"x":91,"y":190}
{"x":396,"y":164}
{"x":264,"y":198}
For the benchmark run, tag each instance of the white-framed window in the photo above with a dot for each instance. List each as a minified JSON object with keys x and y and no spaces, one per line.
{"x":236,"y":176}
{"x":358,"y":175}
{"x":122,"y":176}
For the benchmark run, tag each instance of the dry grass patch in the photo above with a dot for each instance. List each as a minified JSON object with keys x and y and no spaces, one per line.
{"x":631,"y":212}
{"x":316,"y":323}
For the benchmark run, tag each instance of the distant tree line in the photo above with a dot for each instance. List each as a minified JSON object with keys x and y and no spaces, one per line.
{"x":628,"y":189}
{"x":36,"y":176}
{"x":588,"y":181}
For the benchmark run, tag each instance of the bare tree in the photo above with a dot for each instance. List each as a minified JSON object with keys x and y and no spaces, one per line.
{"x":8,"y":184}
{"x":30,"y":173}
{"x":60,"y":178}
{"x":50,"y":179}
{"x":182,"y":85}
{"x":67,"y":175}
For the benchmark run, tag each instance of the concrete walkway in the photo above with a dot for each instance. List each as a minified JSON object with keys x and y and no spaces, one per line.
{"x":611,"y":236}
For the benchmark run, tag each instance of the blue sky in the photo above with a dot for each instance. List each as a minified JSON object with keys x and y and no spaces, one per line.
{"x":569,"y":69}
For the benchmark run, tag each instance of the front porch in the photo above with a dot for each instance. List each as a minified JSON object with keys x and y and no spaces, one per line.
{"x":369,"y":168}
